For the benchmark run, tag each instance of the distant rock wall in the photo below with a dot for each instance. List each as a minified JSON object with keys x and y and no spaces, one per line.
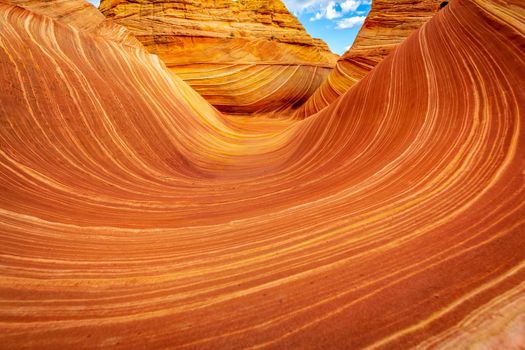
{"x":246,"y":56}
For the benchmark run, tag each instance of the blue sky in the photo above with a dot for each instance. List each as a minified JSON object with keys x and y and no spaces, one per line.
{"x":335,"y":21}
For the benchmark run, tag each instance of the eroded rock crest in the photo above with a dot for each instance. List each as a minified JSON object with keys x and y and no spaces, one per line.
{"x":387,"y":25}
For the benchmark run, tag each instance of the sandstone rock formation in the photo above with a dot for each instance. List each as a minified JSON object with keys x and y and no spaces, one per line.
{"x":386,"y":26}
{"x":134,"y":215}
{"x":81,"y":15}
{"x":249,"y":56}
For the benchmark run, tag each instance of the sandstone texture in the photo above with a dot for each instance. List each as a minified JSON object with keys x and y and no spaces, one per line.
{"x":248,"y":56}
{"x":81,"y":15}
{"x":134,"y":215}
{"x":388,"y":24}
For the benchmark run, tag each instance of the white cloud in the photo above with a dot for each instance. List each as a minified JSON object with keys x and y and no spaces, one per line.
{"x":315,"y":6}
{"x":328,"y":9}
{"x":308,"y":6}
{"x":351,"y":22}
{"x":331,"y":11}
{"x":350,"y":5}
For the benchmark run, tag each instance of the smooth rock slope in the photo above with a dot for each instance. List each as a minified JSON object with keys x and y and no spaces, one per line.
{"x":134,"y":215}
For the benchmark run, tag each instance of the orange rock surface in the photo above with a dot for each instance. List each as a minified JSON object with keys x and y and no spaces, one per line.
{"x":386,"y":26}
{"x":134,"y":215}
{"x":81,"y":15}
{"x":244,"y":57}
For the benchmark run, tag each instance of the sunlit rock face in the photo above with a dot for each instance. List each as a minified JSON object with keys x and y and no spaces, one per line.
{"x":386,"y":26}
{"x":81,"y":15}
{"x":133,"y":214}
{"x":249,"y":56}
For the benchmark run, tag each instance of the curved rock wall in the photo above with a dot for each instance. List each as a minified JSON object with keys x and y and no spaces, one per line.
{"x":133,"y":215}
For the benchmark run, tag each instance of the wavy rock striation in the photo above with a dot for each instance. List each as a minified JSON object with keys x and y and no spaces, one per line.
{"x":244,"y":57}
{"x":386,"y":26}
{"x":81,"y":15}
{"x":134,"y":215}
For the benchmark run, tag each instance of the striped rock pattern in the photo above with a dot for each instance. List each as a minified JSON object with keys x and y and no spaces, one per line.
{"x":386,"y":26}
{"x":262,"y":60}
{"x":81,"y":15}
{"x":134,"y":215}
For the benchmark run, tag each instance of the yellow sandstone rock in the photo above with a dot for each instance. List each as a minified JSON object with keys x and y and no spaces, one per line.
{"x":246,"y":56}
